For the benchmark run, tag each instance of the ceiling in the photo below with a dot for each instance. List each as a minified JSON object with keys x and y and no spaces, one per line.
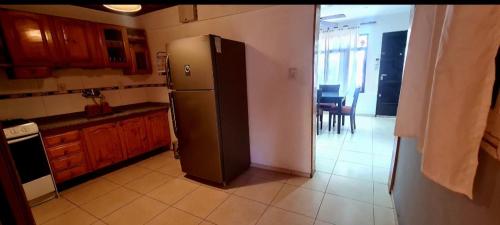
{"x":146,"y":8}
{"x":361,"y":11}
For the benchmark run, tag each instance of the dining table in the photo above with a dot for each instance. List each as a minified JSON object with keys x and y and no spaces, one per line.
{"x":336,"y":98}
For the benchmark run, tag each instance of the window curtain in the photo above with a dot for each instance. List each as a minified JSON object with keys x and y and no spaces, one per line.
{"x":339,"y":59}
{"x":447,"y":87}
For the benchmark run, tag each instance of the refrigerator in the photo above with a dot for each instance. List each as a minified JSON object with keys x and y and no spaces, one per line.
{"x":207,"y":76}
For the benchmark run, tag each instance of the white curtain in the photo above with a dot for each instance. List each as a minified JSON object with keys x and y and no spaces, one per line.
{"x":340,"y":61}
{"x":447,"y":87}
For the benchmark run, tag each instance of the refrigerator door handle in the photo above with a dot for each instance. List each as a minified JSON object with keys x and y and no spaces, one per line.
{"x":172,"y":111}
{"x":169,"y":74}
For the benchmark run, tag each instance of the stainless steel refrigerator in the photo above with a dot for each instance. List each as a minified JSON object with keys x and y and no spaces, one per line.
{"x":208,"y":77}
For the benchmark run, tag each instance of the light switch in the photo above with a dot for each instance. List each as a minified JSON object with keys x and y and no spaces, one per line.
{"x":292,"y":73}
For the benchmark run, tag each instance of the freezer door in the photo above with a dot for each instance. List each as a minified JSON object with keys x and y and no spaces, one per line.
{"x":197,"y":128}
{"x":191,"y":63}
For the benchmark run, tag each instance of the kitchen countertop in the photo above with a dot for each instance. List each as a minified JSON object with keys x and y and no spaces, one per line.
{"x":78,"y":120}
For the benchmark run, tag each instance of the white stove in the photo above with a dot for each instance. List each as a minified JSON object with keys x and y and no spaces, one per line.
{"x":28,"y":152}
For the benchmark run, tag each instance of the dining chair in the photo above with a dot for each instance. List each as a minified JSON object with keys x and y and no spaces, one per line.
{"x":330,"y":87}
{"x":320,"y":108}
{"x":349,"y":111}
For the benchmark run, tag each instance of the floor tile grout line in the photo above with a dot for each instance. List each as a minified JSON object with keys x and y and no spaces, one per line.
{"x":269,"y":205}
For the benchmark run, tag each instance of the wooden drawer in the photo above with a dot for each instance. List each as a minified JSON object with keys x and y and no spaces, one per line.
{"x":70,"y":173}
{"x":68,"y":162}
{"x":66,"y":149}
{"x":63,"y":138}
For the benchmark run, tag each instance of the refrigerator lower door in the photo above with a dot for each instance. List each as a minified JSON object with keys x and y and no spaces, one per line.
{"x":198,"y":134}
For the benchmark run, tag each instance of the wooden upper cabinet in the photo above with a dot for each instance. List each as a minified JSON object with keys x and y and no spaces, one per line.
{"x":158,"y":129}
{"x":29,"y":38}
{"x":103,"y":145}
{"x":133,"y":136}
{"x":79,"y":43}
{"x":115,"y":49}
{"x":140,"y":59}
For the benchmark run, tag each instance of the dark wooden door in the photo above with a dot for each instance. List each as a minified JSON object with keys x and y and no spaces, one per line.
{"x":79,"y":41}
{"x":133,"y":136}
{"x":390,"y":73}
{"x":158,"y":130}
{"x":103,"y":144}
{"x":14,"y":208}
{"x":29,"y":38}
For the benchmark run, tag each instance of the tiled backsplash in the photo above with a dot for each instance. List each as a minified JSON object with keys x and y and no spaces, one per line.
{"x":62,"y":94}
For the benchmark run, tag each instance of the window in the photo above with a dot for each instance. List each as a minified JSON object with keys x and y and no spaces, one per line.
{"x":342,"y":59}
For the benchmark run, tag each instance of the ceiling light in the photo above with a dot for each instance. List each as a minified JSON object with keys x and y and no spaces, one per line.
{"x":124,"y":8}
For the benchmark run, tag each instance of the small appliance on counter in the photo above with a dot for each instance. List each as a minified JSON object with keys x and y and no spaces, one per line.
{"x":27,"y":150}
{"x":98,"y":108}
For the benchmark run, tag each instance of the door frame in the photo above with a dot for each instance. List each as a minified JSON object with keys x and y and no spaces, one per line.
{"x":313,"y":91}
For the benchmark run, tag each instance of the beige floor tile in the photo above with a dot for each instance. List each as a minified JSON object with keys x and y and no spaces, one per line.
{"x":84,"y":193}
{"x":153,"y":163}
{"x":98,"y":222}
{"x":127,"y":174}
{"x":173,"y":216}
{"x":299,"y":200}
{"x":318,"y":182}
{"x":384,"y":216}
{"x":259,"y":189}
{"x":172,"y":191}
{"x":325,"y":154}
{"x":381,"y":175}
{"x":344,"y":211}
{"x":201,"y":201}
{"x":382,"y":149}
{"x":353,"y":170}
{"x":139,"y":211}
{"x":148,"y":182}
{"x":276,"y":216}
{"x":319,"y":222}
{"x":351,"y":188}
{"x":237,"y":210}
{"x":382,"y":196}
{"x":206,"y":223}
{"x":267,"y":174}
{"x":358,"y":146}
{"x":172,"y":168}
{"x":75,"y":216}
{"x":356,"y":157}
{"x":106,"y":204}
{"x":325,"y":165}
{"x":51,"y":209}
{"x":382,"y":161}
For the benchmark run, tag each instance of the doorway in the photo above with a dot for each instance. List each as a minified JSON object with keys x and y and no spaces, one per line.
{"x":359,"y":56}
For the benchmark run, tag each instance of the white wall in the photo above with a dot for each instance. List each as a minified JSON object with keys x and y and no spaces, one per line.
{"x":367,"y":101}
{"x":277,"y":38}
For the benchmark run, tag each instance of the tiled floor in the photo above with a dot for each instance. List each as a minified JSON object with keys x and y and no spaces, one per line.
{"x":347,"y":191}
{"x":357,"y":168}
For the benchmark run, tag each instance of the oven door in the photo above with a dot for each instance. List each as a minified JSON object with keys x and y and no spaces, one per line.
{"x":29,"y":156}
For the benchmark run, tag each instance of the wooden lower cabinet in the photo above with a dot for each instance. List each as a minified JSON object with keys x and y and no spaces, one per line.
{"x":158,"y":129}
{"x":79,"y":152}
{"x":103,"y":145}
{"x":67,"y":155}
{"x":133,"y":136}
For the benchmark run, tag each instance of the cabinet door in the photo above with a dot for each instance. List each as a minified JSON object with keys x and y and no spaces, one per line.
{"x":116,"y":51}
{"x":79,"y":42}
{"x":133,"y":136}
{"x":158,"y":129}
{"x":103,"y":144}
{"x":29,"y":38}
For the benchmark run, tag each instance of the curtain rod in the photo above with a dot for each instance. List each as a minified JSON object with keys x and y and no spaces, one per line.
{"x":348,"y":27}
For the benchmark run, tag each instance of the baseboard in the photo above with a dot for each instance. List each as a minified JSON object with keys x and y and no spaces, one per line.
{"x":280,"y":170}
